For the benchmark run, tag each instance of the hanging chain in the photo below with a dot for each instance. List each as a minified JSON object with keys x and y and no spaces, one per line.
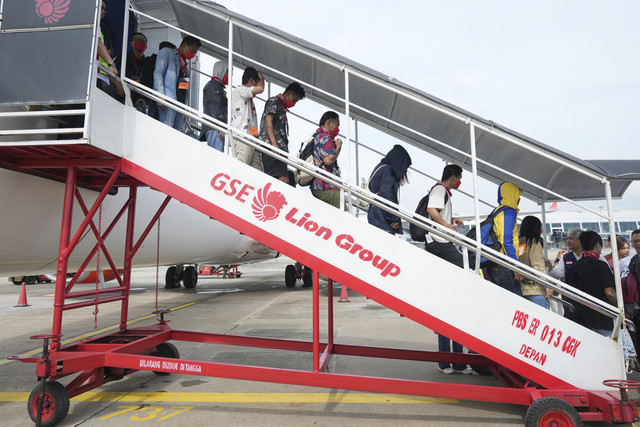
{"x":157,"y":262}
{"x":95,"y":311}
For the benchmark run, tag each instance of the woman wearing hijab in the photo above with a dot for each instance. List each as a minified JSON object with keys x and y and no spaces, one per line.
{"x":214,"y":102}
{"x":385,"y":181}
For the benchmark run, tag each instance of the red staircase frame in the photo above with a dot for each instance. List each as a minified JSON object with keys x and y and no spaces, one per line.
{"x":112,"y":356}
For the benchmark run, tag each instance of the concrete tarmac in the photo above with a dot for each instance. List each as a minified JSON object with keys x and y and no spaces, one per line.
{"x":256,"y":304}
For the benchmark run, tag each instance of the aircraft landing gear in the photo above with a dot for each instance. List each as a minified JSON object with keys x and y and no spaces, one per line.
{"x":296,"y":272}
{"x":179,"y":273}
{"x":173,"y":277}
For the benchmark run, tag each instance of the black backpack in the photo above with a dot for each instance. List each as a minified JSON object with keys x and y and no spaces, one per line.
{"x":488,"y":236}
{"x":419,"y":234}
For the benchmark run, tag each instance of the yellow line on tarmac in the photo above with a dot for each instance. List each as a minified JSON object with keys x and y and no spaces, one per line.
{"x":96,"y":332}
{"x":139,"y":397}
{"x":107,"y":329}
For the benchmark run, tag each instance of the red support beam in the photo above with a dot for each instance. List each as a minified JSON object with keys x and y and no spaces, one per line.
{"x":316,"y":321}
{"x":128,"y":255}
{"x":63,"y":262}
{"x":100,"y":238}
{"x":92,"y":212}
{"x":92,"y":302}
{"x":150,"y":226}
{"x":97,"y":245}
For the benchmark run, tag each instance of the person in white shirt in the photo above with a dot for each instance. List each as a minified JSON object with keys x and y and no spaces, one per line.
{"x":243,"y":115}
{"x":439,"y":210}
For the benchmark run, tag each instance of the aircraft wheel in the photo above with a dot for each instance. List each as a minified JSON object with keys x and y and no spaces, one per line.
{"x":290,"y":276}
{"x":165,"y":350}
{"x":307,"y":278}
{"x":30,"y":280}
{"x":190,"y":277}
{"x":54,"y":407}
{"x":552,"y":411}
{"x":170,"y":279}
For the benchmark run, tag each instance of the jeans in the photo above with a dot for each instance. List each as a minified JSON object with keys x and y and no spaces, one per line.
{"x":171,"y":118}
{"x":504,"y":278}
{"x":538,"y":299}
{"x":624,"y":341}
{"x":214,"y":140}
{"x":445,"y":344}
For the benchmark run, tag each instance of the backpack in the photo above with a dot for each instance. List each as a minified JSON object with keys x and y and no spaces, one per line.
{"x":419,"y":234}
{"x":488,"y":236}
{"x":306,"y":153}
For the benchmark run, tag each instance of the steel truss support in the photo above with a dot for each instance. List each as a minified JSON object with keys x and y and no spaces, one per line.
{"x":67,"y":245}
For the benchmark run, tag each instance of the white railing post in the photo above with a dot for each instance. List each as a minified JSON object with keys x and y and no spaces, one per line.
{"x":544,"y":231}
{"x":229,"y":139}
{"x":476,"y":202}
{"x":348,"y":144}
{"x":619,"y":321}
{"x":124,"y":53}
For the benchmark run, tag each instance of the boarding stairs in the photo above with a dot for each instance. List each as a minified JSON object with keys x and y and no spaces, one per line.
{"x":536,"y":343}
{"x":532,"y":348}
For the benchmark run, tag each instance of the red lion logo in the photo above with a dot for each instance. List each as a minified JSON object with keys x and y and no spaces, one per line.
{"x":52,"y":10}
{"x":267,"y":205}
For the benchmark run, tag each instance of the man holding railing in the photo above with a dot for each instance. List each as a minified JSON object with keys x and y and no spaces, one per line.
{"x":170,"y":78}
{"x":244,"y":117}
{"x":274,"y":129}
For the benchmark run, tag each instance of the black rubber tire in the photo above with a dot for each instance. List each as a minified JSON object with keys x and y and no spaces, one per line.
{"x":550,"y":411}
{"x":56,"y":403}
{"x":190,"y":277}
{"x":30,"y":280}
{"x":290,"y":276}
{"x":165,"y":349}
{"x":307,"y":278}
{"x":170,"y":278}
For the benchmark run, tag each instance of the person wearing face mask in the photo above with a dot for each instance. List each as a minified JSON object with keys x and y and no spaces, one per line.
{"x":135,"y":66}
{"x":243,"y":115}
{"x":274,"y":129}
{"x":326,"y":149}
{"x":214,"y":104}
{"x":439,"y":209}
{"x":385,"y":181}
{"x":170,"y":78}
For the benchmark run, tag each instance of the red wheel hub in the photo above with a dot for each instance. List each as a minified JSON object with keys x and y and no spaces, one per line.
{"x":48,"y":407}
{"x":555,"y":419}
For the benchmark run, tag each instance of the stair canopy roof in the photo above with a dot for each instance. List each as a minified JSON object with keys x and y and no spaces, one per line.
{"x":544,"y":173}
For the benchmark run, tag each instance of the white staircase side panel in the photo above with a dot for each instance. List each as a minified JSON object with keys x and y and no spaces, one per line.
{"x":536,"y":343}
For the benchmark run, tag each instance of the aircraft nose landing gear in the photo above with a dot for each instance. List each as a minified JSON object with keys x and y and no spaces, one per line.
{"x":296,"y":272}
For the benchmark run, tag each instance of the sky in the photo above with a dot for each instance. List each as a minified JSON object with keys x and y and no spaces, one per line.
{"x":563,"y":72}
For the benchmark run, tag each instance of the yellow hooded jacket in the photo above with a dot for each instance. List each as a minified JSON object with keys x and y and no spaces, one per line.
{"x":504,"y":224}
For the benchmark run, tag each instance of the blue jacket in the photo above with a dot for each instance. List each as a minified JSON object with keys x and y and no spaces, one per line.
{"x":385,"y":182}
{"x":165,"y":76}
{"x":504,"y":223}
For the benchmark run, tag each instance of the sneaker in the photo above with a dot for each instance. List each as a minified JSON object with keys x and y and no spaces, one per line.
{"x":446,"y":370}
{"x":466,"y":371}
